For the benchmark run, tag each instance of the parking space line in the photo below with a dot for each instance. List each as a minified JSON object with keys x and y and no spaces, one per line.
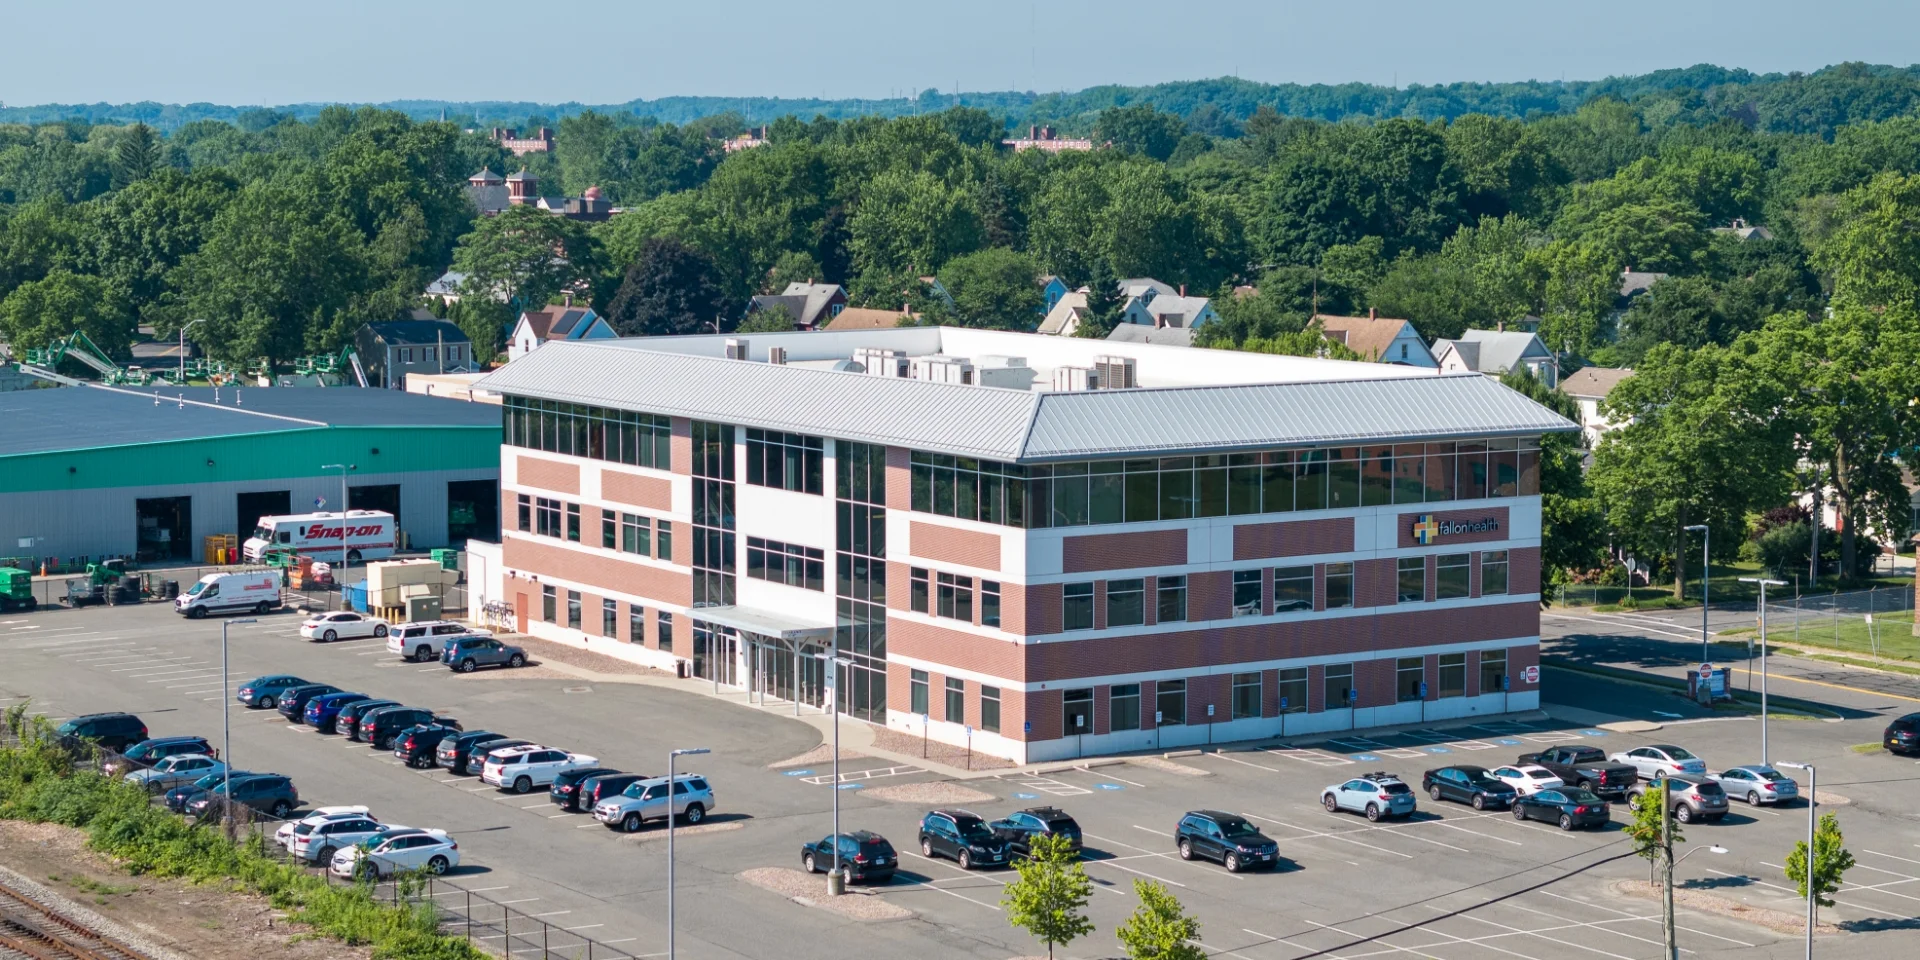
{"x":1554,"y":916}
{"x":200,"y":677}
{"x":1300,"y":947}
{"x":1382,"y":941}
{"x":1513,"y":931}
{"x":873,"y":773}
{"x":929,"y":885}
{"x":1309,"y":834}
{"x":1319,"y":758}
{"x":164,"y":663}
{"x":1256,"y":766}
{"x":1624,"y":915}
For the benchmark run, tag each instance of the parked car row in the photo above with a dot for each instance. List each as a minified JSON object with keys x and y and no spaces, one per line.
{"x":351,"y":842}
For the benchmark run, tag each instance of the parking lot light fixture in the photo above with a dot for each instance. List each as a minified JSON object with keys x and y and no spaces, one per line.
{"x":1813,"y":802}
{"x":836,"y":883}
{"x":1706,"y":576}
{"x":673,"y":755}
{"x":1764,"y":584}
{"x":344,"y":468}
{"x":226,"y":718}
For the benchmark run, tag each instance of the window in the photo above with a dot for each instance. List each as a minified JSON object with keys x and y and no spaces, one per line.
{"x":573,"y":609}
{"x":573,"y":522}
{"x":1292,"y":589}
{"x":917,"y":591}
{"x":972,"y":489}
{"x":1172,"y":599}
{"x":1493,"y":671}
{"x":989,"y":709}
{"x":1170,"y":702}
{"x":917,"y":687}
{"x":1493,"y":573}
{"x":954,"y":598}
{"x":989,"y":603}
{"x":616,"y":436}
{"x":1293,"y":690}
{"x":635,"y":532}
{"x":636,"y":623}
{"x":664,"y":539}
{"x":1450,"y":576}
{"x":1412,"y":580}
{"x":526,"y":514}
{"x":1078,"y":710}
{"x":546,"y":517}
{"x":1076,"y":606}
{"x":609,"y":618}
{"x":1123,"y":707}
{"x":1409,"y":674}
{"x":1126,"y":602}
{"x":1453,"y":675}
{"x":609,"y":530}
{"x":1246,"y":593}
{"x":548,"y":611}
{"x":1337,"y":689}
{"x":1246,"y":695}
{"x":664,"y":624}
{"x":1339,"y":585}
{"x":784,"y":461}
{"x":791,"y":564}
{"x":956,"y":700}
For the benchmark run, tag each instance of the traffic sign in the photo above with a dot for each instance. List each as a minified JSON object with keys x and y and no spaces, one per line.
{"x":1530,"y":674}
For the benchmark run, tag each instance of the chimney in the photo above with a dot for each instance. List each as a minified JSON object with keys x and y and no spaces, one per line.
{"x":567,"y":296}
{"x":1373,"y":313}
{"x":1183,"y":289}
{"x":1500,"y":326}
{"x":1033,"y":132}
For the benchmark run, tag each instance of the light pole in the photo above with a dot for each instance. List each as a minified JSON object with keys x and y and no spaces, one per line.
{"x":671,"y":783}
{"x":183,"y":349}
{"x":338,"y":580}
{"x":836,"y":884}
{"x":226,"y":722}
{"x":1673,"y":942}
{"x":1764,"y":584}
{"x":1706,"y":576}
{"x":1813,"y":801}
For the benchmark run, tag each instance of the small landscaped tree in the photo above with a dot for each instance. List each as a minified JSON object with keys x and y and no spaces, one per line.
{"x":1050,"y":898}
{"x":1159,"y":928}
{"x":1831,"y":860}
{"x":1650,"y":810}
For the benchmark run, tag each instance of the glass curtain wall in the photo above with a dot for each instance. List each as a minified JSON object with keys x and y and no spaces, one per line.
{"x":713,"y":547}
{"x":860,"y":576}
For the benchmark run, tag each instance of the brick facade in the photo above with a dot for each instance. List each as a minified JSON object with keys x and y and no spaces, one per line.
{"x":943,"y":544}
{"x":607,"y":573}
{"x":1123,"y":551}
{"x":550,"y":475}
{"x":633,"y":489}
{"x":1297,"y":538}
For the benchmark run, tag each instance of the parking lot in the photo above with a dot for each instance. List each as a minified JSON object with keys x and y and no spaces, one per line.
{"x":1449,"y":883}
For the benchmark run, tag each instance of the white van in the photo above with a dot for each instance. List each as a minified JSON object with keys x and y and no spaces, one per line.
{"x":257,"y":591}
{"x":367,"y":535}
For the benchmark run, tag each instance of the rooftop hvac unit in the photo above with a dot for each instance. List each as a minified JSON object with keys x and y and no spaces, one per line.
{"x":881,"y":362}
{"x":1075,"y":378}
{"x":939,"y":369}
{"x":1011,"y":373}
{"x":736,"y":349}
{"x":776,"y":354}
{"x":1116,"y":373}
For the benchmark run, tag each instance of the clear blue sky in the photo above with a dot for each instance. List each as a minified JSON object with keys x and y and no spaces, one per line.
{"x":608,"y":51}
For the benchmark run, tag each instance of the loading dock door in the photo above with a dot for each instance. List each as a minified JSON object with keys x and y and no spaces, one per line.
{"x":260,"y":503}
{"x":165,"y":529}
{"x":381,"y":496}
{"x":473,"y":511}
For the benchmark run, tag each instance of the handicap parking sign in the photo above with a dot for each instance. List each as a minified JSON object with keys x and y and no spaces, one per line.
{"x":852,"y":786}
{"x":1110,"y":786}
{"x":799,"y":773}
{"x":1365,"y":757}
{"x":1509,"y":742}
{"x":1438,"y":750}
{"x":1026,"y":796}
{"x":1593,"y":733}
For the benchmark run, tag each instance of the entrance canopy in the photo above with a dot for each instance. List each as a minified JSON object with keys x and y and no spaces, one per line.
{"x":766,"y":623}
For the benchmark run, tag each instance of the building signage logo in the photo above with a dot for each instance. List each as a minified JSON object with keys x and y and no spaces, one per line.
{"x":1426,"y":529}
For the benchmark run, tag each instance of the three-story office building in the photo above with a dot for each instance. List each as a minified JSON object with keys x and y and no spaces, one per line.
{"x":1046,"y":547}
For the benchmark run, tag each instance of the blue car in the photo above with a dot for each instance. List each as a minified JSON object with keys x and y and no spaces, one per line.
{"x":324,"y":710}
{"x":264,"y":692}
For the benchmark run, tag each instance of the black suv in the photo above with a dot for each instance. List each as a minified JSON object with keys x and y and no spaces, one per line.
{"x":961,"y":836}
{"x":115,"y":731}
{"x":1903,"y":735}
{"x":1019,"y":829}
{"x":269,"y":793}
{"x":1226,"y":837}
{"x":293,"y":700}
{"x":415,"y":746}
{"x":379,"y":727}
{"x":457,"y":754}
{"x":1468,"y":784}
{"x":864,"y":855}
{"x":347,"y":721}
{"x":565,"y":789}
{"x":601,"y":786}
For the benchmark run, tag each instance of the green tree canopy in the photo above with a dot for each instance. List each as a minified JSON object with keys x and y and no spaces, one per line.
{"x":671,"y":290}
{"x":995,"y":288}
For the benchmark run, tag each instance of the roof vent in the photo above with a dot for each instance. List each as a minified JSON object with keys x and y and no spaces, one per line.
{"x":1068,"y":379}
{"x":777,"y":355}
{"x":736,"y":349}
{"x":1116,"y":373}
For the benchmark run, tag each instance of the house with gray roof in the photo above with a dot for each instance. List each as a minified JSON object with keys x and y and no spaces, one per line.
{"x":811,"y":305}
{"x":1496,"y":353}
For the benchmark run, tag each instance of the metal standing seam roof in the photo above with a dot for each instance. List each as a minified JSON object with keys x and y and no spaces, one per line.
{"x":1013,"y":425}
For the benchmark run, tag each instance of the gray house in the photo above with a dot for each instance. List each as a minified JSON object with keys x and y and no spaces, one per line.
{"x":391,"y":349}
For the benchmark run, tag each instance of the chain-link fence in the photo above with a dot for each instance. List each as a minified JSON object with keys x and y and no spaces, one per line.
{"x":162,"y":583}
{"x":1876,"y":623}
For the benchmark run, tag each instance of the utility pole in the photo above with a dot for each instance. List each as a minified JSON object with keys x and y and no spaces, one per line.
{"x":1706,"y":576}
{"x":1666,"y":860}
{"x":1764,"y":583}
{"x":1813,"y":817}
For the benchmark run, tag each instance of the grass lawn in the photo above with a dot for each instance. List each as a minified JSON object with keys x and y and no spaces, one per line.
{"x":1725,"y":586}
{"x":1889,"y":637}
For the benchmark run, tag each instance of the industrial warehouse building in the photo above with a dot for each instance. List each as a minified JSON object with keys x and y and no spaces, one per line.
{"x":92,"y":471}
{"x":1043,"y":546}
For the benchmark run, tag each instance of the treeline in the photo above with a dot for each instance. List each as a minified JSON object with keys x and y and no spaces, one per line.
{"x":1818,"y":102}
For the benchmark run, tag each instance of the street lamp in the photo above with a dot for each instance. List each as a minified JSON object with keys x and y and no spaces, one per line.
{"x":344,"y":469}
{"x":226,"y":720}
{"x":836,"y":884}
{"x":671,"y":783}
{"x":1764,"y":584}
{"x":183,"y":349}
{"x":1706,"y":576}
{"x":1666,"y":890}
{"x":1813,"y":801}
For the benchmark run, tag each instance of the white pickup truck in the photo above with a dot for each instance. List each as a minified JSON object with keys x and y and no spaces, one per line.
{"x":423,"y":640}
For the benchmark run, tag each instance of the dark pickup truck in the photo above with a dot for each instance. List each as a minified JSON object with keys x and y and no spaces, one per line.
{"x":1585,"y":767}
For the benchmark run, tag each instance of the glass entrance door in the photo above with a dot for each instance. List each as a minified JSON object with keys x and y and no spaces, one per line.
{"x":716,"y":653}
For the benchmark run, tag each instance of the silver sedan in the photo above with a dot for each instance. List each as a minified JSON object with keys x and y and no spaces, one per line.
{"x":1756,"y":784}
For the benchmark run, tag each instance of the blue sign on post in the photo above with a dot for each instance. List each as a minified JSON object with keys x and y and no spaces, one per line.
{"x":1423,"y":689}
{"x":1506,"y":683}
{"x":1029,"y":726}
{"x":1283,"y":704}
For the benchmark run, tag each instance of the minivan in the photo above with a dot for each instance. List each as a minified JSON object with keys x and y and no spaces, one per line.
{"x":114,"y":731}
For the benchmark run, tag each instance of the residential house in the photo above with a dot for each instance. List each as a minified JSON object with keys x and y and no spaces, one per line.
{"x":1589,"y":387}
{"x":1497,"y":352}
{"x":1745,"y":231}
{"x":1633,"y":285}
{"x":447,"y":288}
{"x":1044,"y":138}
{"x":810,"y":304}
{"x":1063,"y":318}
{"x":492,"y":193}
{"x":567,"y":322}
{"x":1159,"y":336}
{"x":864,"y":318}
{"x":1156,"y":306}
{"x":1377,"y":338}
{"x":1052,"y":288}
{"x":391,"y":349}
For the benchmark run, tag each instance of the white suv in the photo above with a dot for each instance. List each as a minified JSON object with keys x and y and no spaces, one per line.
{"x":320,"y":841}
{"x":647,"y":800}
{"x":523,"y":768}
{"x":423,"y":640}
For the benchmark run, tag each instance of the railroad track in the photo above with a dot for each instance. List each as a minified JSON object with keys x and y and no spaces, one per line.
{"x":33,"y":929}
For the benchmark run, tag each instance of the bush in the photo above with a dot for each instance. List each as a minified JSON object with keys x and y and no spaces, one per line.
{"x":39,"y":783}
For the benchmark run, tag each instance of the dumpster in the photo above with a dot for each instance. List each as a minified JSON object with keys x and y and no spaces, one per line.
{"x":356,"y":596}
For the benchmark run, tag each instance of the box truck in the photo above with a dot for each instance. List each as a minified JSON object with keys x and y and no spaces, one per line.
{"x":366,"y":534}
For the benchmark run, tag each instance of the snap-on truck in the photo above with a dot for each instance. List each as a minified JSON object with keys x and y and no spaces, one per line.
{"x":366,"y":534}
{"x":252,"y":591}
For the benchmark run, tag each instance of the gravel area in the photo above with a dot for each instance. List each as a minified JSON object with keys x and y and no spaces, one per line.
{"x":1779,"y":921}
{"x":1169,"y":766}
{"x":810,"y":890}
{"x":897,"y":741}
{"x":818,"y":755}
{"x":939,"y":792}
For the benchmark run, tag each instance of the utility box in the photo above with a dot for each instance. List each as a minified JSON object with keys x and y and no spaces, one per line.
{"x":420,"y":609}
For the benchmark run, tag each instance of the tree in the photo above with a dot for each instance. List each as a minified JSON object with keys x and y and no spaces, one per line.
{"x":671,"y":290}
{"x":792,"y":267}
{"x":523,"y":255}
{"x":1831,"y":861}
{"x":136,"y":156}
{"x":773,"y":319}
{"x":40,"y":311}
{"x":1140,"y":129}
{"x":1049,"y":900}
{"x":1159,"y":928}
{"x":994,"y":288}
{"x":910,"y":223}
{"x":1651,"y":817}
{"x":484,"y":321}
{"x":1104,"y":303}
